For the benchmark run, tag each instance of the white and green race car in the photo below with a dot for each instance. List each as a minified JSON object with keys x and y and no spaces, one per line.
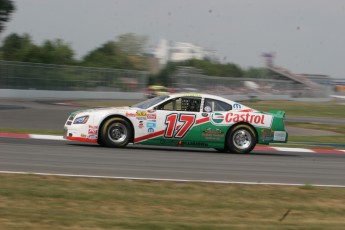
{"x":188,"y":120}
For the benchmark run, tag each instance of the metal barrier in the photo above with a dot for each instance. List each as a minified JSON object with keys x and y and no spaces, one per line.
{"x":22,"y":75}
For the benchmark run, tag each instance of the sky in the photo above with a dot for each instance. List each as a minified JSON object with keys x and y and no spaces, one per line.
{"x":307,"y":36}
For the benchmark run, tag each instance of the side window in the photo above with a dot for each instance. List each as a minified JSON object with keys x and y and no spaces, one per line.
{"x":189,"y":104}
{"x":212,"y":105}
{"x":171,"y":105}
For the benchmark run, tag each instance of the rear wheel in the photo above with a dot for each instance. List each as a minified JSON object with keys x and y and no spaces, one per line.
{"x":241,"y":139}
{"x":116,"y":132}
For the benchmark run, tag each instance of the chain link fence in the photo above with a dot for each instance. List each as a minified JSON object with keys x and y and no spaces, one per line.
{"x":189,"y":79}
{"x":22,"y":75}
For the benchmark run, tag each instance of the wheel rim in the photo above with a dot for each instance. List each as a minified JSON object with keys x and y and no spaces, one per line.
{"x":242,"y":139}
{"x":117,"y":132}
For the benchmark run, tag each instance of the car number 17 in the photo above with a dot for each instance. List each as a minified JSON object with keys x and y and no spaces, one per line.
{"x":175,"y":130}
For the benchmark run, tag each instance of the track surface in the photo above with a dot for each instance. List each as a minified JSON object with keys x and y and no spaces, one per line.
{"x":61,"y":157}
{"x":42,"y":156}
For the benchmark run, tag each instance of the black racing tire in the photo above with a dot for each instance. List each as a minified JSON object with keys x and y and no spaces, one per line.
{"x":116,"y":132}
{"x":241,"y":139}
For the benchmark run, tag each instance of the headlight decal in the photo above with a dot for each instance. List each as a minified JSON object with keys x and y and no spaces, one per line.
{"x":81,"y":120}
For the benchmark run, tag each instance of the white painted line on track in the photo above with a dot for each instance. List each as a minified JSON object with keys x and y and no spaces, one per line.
{"x":168,"y":180}
{"x":47,"y":137}
{"x":284,"y":149}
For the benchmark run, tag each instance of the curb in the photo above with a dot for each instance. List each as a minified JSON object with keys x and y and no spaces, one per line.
{"x":257,"y":148}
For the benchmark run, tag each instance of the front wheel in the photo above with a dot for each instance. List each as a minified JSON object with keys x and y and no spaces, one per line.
{"x":241,"y":139}
{"x":116,"y":132}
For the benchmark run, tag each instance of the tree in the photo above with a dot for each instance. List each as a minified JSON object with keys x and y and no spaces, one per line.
{"x":21,"y":48}
{"x":109,"y":55}
{"x":56,"y":52}
{"x":18,"y":48}
{"x":6,"y":9}
{"x":132,"y":44}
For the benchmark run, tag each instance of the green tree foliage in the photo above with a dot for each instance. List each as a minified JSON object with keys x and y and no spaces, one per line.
{"x":18,"y":48}
{"x":126,"y":53}
{"x":21,"y":48}
{"x":6,"y":9}
{"x":164,"y":76}
{"x":56,"y":52}
{"x":109,"y":55}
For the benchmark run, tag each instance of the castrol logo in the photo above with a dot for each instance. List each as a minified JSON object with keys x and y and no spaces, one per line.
{"x":260,"y":120}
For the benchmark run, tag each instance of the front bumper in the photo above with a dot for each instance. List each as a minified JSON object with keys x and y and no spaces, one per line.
{"x":78,"y":135}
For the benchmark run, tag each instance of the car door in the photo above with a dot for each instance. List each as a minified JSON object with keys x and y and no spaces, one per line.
{"x":178,"y":118}
{"x":216,"y":110}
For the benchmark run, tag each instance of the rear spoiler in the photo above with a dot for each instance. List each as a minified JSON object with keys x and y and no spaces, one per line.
{"x":277,"y":113}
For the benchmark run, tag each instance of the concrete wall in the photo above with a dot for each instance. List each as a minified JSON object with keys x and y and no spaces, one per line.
{"x":47,"y":94}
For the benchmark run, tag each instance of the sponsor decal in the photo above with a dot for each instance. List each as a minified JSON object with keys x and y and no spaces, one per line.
{"x":83,"y":135}
{"x":213,"y":134}
{"x":192,"y":95}
{"x":267,"y":134}
{"x":141,"y":124}
{"x":279,"y":136}
{"x":151,"y":124}
{"x":92,"y":137}
{"x":93,"y":130}
{"x":150,"y":130}
{"x":246,"y":110}
{"x":236,"y":106}
{"x":193,"y":143}
{"x":257,"y":119}
{"x":179,"y":143}
{"x":141,"y":113}
{"x":129,"y":114}
{"x":217,"y":118}
{"x":208,"y":109}
{"x":151,"y":116}
{"x":253,"y":118}
{"x":168,"y":142}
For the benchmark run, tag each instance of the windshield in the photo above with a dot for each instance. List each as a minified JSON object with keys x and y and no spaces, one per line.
{"x":150,"y":102}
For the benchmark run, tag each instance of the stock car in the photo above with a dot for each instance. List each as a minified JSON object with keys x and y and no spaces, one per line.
{"x":181,"y":119}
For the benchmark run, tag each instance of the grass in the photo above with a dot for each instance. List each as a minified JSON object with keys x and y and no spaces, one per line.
{"x":42,"y":202}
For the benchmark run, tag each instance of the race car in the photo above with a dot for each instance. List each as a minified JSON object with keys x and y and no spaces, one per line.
{"x":156,"y":90}
{"x":182,"y":119}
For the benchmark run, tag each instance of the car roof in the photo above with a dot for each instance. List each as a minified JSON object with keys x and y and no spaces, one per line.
{"x":194,"y":94}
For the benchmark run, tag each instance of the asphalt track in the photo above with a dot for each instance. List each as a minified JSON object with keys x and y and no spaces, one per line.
{"x":62,"y":157}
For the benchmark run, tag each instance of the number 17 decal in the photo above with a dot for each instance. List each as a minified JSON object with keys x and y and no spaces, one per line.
{"x":178,"y":131}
